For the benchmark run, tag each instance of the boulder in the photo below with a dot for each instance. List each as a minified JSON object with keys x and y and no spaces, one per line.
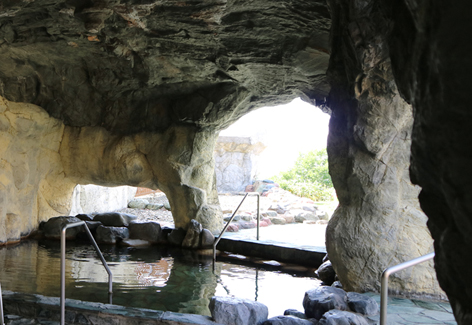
{"x":362,"y":304}
{"x":237,"y":311}
{"x":288,"y":218}
{"x":302,"y":215}
{"x":337,"y":284}
{"x":84,"y":217}
{"x":149,"y":231}
{"x":232,"y":228}
{"x":339,"y":317}
{"x":154,"y":206}
{"x":111,"y":235}
{"x":287,"y":320}
{"x":167,"y":205}
{"x":206,"y":239}
{"x":326,"y":273}
{"x":228,"y":217}
{"x":138,"y":204}
{"x":247,"y":224}
{"x":176,"y":236}
{"x":322,"y":299}
{"x":278,"y":220}
{"x":114,"y":219}
{"x":53,"y":227}
{"x":192,"y":237}
{"x":269,"y":214}
{"x":295,"y":313}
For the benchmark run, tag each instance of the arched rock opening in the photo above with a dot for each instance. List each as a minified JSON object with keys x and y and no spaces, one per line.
{"x":135,"y":94}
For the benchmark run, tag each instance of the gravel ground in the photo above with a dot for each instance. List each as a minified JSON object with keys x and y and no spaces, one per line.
{"x":228,"y":202}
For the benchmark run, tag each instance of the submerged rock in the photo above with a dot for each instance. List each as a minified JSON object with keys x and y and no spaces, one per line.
{"x":287,"y":320}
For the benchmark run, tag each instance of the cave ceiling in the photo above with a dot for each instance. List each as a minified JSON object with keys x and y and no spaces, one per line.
{"x":141,"y":65}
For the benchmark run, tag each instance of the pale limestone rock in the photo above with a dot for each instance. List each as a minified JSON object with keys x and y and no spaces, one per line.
{"x":93,"y":198}
{"x":236,"y":162}
{"x":33,"y":186}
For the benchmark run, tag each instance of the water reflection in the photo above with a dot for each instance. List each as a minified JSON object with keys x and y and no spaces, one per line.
{"x":155,"y":277}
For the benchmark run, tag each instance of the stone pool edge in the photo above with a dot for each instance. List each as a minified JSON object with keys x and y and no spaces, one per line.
{"x":83,"y":312}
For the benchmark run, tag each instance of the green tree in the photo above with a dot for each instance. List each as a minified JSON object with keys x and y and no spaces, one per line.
{"x":309,"y":177}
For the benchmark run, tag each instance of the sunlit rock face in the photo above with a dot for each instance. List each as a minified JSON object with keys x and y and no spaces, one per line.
{"x":140,"y":89}
{"x":432,"y":66}
{"x":378,"y":222}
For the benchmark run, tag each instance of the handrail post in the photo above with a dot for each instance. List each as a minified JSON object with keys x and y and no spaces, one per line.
{"x":2,"y":318}
{"x":384,"y":282}
{"x":63,"y":265}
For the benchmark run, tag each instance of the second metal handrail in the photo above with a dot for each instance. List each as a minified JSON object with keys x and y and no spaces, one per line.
{"x":217,"y":240}
{"x":63,"y":265}
{"x":384,"y":282}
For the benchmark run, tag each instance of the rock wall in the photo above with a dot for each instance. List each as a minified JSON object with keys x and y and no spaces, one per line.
{"x":432,"y":66}
{"x":33,"y":186}
{"x":378,"y":222}
{"x":42,"y":160}
{"x":93,"y":198}
{"x":236,"y":162}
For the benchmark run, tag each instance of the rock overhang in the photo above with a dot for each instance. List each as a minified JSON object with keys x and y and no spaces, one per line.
{"x":133,"y":66}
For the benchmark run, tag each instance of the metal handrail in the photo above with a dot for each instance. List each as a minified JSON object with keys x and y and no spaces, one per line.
{"x":384,"y":282}
{"x":2,"y":319}
{"x":63,"y":265}
{"x":217,"y":240}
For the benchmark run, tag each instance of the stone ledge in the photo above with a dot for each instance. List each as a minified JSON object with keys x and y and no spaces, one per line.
{"x":84,"y":312}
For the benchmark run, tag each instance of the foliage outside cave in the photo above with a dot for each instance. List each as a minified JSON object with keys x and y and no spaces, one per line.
{"x":309,"y":177}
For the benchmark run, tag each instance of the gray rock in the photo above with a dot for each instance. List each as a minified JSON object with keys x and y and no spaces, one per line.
{"x":247,"y":224}
{"x":310,"y":207}
{"x":362,"y":304}
{"x":228,"y":217}
{"x":287,"y":320}
{"x":326,"y":273}
{"x":84,"y":217}
{"x":192,"y":237}
{"x":322,"y":299}
{"x":154,"y":206}
{"x":111,"y":235}
{"x":269,"y":214}
{"x":149,"y":231}
{"x":138,"y":204}
{"x":176,"y":236}
{"x":92,"y":225}
{"x":167,"y":205}
{"x":294,"y":312}
{"x":339,"y":317}
{"x":53,"y":227}
{"x":206,"y":239}
{"x":337,"y":284}
{"x":278,"y":220}
{"x":114,"y":219}
{"x":237,"y":311}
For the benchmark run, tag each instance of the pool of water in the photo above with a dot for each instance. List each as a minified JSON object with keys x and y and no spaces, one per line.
{"x":159,"y":278}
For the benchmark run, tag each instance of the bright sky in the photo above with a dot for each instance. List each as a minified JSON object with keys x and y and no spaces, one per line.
{"x":286,"y":130}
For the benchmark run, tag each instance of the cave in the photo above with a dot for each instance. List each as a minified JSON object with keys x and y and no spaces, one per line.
{"x":135,"y":92}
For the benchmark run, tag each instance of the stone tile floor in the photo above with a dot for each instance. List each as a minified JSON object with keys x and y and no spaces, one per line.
{"x":413,"y":311}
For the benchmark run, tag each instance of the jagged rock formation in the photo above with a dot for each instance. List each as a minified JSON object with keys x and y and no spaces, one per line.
{"x":136,"y":92}
{"x":142,"y":88}
{"x":378,"y":222}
